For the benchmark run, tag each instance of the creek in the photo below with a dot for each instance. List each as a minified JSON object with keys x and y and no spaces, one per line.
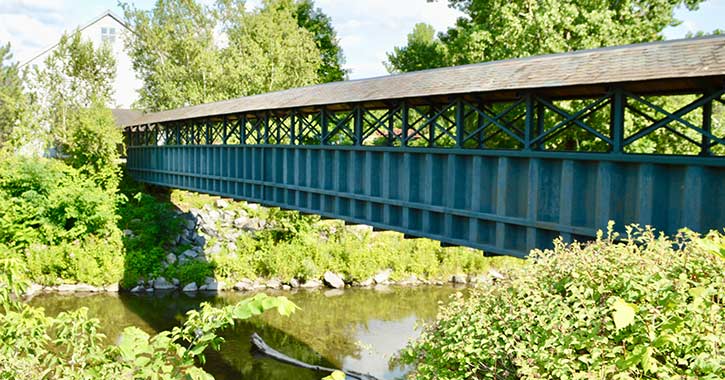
{"x":352,"y":329}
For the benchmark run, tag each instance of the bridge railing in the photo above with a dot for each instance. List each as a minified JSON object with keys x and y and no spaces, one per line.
{"x":618,"y":122}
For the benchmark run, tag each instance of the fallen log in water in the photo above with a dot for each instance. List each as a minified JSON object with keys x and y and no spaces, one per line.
{"x":263,"y":348}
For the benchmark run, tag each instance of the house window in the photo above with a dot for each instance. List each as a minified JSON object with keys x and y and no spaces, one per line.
{"x":108,"y":34}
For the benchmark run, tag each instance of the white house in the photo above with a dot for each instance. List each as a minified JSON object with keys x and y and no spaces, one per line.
{"x":107,"y":28}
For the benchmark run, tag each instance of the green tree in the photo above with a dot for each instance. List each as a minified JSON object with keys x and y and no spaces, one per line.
{"x":423,"y":51}
{"x":75,"y":75}
{"x":14,"y":102}
{"x":320,"y":25}
{"x":175,"y":52}
{"x":74,"y":88}
{"x":502,"y":29}
{"x":268,"y":51}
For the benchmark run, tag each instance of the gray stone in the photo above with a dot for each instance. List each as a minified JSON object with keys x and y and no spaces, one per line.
{"x":33,"y":289}
{"x":295,"y":283}
{"x":221,"y":203}
{"x":161,"y":284}
{"x":480,"y":279}
{"x":170,"y":258}
{"x":213,"y":285}
{"x":382,"y":276}
{"x":216,"y":248}
{"x":311,"y":284}
{"x":204,"y":287}
{"x":244,"y":286}
{"x":199,"y":240}
{"x":149,"y":290}
{"x":113,"y":288}
{"x":333,"y":280}
{"x":496,"y":274}
{"x":190,"y":253}
{"x":138,"y":289}
{"x":274,"y":283}
{"x":191,"y":287}
{"x":240,"y":222}
{"x":412,"y":280}
{"x":459,"y":279}
{"x":286,"y":287}
{"x":175,"y":281}
{"x":212,"y":216}
{"x":190,"y":224}
{"x":367,"y":283}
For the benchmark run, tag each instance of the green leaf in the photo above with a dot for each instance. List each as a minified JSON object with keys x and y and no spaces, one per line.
{"x":623,"y":314}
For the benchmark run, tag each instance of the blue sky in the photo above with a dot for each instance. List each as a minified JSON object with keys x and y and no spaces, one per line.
{"x":367,"y":28}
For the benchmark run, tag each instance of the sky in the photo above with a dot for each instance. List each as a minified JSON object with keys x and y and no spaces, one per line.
{"x":367,"y":29}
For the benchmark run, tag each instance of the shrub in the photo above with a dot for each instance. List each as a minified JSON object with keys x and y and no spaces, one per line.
{"x":647,"y":306}
{"x":59,"y":221}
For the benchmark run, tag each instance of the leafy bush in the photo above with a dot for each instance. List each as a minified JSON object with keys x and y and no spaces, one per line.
{"x":647,"y":306}
{"x":59,"y":221}
{"x":35,"y":346}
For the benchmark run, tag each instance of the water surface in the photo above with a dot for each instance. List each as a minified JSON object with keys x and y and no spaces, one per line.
{"x":355,"y":329}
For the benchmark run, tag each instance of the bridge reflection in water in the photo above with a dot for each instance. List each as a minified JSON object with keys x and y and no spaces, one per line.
{"x":501,"y":156}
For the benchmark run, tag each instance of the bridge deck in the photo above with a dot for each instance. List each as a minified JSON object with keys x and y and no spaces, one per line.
{"x":502,"y":156}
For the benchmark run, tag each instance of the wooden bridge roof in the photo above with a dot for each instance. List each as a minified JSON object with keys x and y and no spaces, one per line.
{"x":666,"y":66}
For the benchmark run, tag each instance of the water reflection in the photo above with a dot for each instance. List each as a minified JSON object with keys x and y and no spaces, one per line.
{"x":356,"y":329}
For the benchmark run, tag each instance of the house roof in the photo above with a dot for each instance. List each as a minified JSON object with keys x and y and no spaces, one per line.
{"x":677,"y":65}
{"x":107,"y":12}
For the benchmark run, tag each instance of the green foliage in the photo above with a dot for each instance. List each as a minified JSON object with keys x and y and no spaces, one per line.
{"x":298,"y":246}
{"x":502,"y":29}
{"x":92,"y":146}
{"x":320,"y":25}
{"x":191,"y":271}
{"x":58,"y":221}
{"x":35,"y":346}
{"x":645,"y":307}
{"x":75,"y":75}
{"x":14,"y":102}
{"x":153,"y":225}
{"x":174,"y":51}
{"x":422,"y":52}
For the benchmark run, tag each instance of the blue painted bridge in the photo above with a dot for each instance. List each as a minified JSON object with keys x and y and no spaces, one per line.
{"x":502,"y":156}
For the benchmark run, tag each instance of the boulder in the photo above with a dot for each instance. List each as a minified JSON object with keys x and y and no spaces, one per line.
{"x":367,"y":283}
{"x":138,"y":289}
{"x":311,"y":284}
{"x":382,"y":276}
{"x":33,"y":289}
{"x":68,"y":288}
{"x":190,"y":253}
{"x":244,"y":286}
{"x":113,"y":288}
{"x":170,"y":258}
{"x":410,"y":281}
{"x":294,"y":283}
{"x":160,"y":283}
{"x":175,"y":281}
{"x":333,"y":280}
{"x":274,"y":283}
{"x":212,"y":285}
{"x":480,"y":279}
{"x":286,"y":287}
{"x":221,"y":203}
{"x":190,"y":223}
{"x":241,"y":221}
{"x":496,"y":274}
{"x":190,"y":287}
